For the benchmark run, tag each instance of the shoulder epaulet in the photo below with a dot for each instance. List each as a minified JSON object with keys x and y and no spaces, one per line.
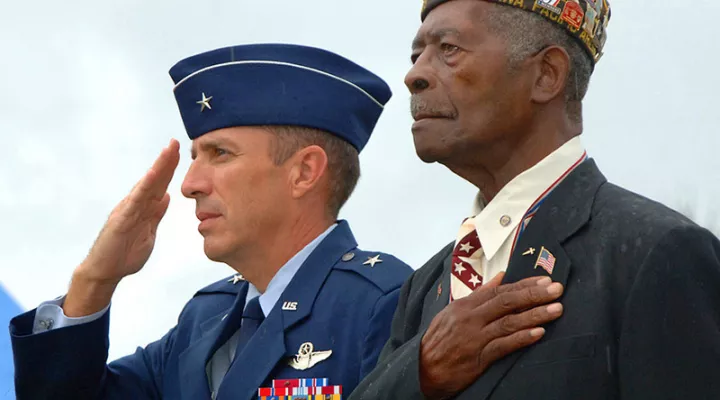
{"x":229,"y":285}
{"x":386,"y":271}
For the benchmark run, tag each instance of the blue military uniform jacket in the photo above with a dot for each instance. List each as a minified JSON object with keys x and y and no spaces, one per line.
{"x":342,"y":305}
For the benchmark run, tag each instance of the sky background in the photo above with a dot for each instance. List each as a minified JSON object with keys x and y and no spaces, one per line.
{"x":87,"y":104}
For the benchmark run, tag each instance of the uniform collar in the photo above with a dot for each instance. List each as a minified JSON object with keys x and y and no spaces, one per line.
{"x":284,"y":275}
{"x":496,"y":221}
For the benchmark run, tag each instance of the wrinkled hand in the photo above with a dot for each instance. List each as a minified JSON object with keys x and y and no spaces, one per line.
{"x":471,"y":333}
{"x":126,"y":241}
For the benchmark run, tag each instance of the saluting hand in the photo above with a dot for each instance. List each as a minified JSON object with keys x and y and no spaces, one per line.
{"x":471,"y":333}
{"x":126,"y":241}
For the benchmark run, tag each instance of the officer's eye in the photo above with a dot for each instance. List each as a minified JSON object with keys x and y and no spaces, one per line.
{"x":218,"y":152}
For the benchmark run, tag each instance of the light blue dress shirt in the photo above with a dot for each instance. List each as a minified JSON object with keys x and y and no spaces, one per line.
{"x":220,"y":362}
{"x":49,"y":315}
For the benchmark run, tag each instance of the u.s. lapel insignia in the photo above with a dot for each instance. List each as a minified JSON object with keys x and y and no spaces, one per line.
{"x":529,"y":251}
{"x":371,"y":261}
{"x":439,"y":291}
{"x":235,"y":279}
{"x":307,"y":358}
{"x":545,"y":260}
{"x":290,"y":306}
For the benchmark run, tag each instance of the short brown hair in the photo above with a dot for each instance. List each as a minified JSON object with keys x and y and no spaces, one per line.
{"x":343,"y":159}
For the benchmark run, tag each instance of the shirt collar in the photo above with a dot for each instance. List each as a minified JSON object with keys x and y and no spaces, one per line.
{"x":496,"y":221}
{"x":284,"y":275}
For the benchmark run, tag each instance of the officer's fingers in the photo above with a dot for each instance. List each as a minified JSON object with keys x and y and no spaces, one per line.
{"x":160,"y":211}
{"x":509,"y":324}
{"x":156,"y":181}
{"x":166,"y":169}
{"x":501,"y":347}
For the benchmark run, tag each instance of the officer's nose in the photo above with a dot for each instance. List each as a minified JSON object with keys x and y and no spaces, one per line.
{"x":197,"y":182}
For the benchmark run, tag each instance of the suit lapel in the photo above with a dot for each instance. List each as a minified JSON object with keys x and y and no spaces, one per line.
{"x":438,"y":297}
{"x":254,"y":365}
{"x":193,"y":361}
{"x":562,"y":214}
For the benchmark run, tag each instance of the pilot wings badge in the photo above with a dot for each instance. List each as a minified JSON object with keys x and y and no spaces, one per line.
{"x":307,"y":358}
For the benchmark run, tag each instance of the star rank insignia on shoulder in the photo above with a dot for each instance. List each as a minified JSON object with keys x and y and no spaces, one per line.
{"x":371,"y":261}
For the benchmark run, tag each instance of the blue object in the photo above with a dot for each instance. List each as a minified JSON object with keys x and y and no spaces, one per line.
{"x":8,"y":309}
{"x":278,"y":84}
{"x":340,"y":303}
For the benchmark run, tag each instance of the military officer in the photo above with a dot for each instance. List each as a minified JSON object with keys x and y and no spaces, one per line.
{"x":276,"y":130}
{"x":562,"y":286}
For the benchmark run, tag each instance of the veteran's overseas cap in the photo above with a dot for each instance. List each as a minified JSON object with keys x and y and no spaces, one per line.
{"x":278,"y":84}
{"x":584,"y":20}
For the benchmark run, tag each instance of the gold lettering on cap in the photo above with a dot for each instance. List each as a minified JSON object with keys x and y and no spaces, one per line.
{"x":588,"y":42}
{"x":516,"y":3}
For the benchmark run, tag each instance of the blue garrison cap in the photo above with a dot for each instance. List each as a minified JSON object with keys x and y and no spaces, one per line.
{"x":278,"y":84}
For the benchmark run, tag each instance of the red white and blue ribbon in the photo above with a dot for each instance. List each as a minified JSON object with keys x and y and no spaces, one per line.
{"x":538,"y":202}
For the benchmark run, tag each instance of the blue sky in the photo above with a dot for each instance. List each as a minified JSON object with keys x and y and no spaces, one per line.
{"x":8,"y":309}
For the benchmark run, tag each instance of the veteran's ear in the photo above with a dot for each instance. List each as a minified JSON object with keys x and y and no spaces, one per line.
{"x":552,"y":69}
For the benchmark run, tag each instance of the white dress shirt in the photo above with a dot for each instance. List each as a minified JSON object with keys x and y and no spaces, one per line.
{"x":498,"y":221}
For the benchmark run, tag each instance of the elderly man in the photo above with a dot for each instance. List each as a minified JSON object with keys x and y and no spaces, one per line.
{"x":276,"y":131}
{"x":633,"y":310}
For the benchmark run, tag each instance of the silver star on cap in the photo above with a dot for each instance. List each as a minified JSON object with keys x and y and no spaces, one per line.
{"x":204,"y":103}
{"x":371,"y":261}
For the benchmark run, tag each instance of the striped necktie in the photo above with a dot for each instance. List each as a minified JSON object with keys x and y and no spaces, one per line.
{"x":467,"y":255}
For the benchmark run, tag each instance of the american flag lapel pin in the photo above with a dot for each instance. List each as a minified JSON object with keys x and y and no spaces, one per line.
{"x":545,"y":260}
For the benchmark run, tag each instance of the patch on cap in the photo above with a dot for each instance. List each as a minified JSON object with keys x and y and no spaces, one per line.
{"x":584,"y":20}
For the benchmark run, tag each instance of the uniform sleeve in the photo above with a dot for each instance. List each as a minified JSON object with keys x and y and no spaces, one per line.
{"x":396,"y":373}
{"x":670,"y":339}
{"x":378,"y":331}
{"x":71,"y":362}
{"x":50,"y":315}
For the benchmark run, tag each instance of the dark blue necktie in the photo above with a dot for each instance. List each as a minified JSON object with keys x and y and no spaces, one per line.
{"x":252,"y":318}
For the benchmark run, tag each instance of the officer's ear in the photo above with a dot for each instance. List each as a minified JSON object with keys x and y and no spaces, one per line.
{"x":308,"y":166}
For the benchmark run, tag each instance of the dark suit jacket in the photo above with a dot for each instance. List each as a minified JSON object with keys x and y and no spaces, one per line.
{"x":343,"y":305}
{"x":641,"y":306}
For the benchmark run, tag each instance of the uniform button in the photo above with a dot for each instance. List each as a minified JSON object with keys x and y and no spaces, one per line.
{"x":505,"y":220}
{"x":348,"y":256}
